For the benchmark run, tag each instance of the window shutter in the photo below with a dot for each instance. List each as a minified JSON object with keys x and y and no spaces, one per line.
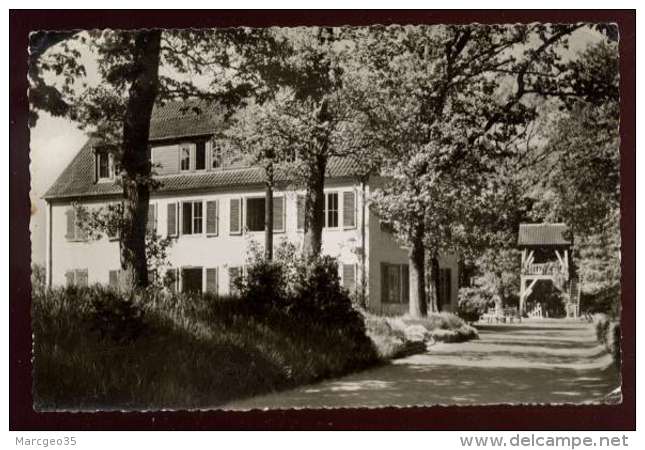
{"x":301,"y":211}
{"x":152,"y":218}
{"x":405,"y":283}
{"x":114,"y":279}
{"x":81,"y":277}
{"x":70,"y":223}
{"x":349,"y":277}
{"x":211,"y":280}
{"x":172,"y":219}
{"x":236,"y":216}
{"x":69,"y":278}
{"x":278,"y":213}
{"x":349,"y":209}
{"x":384,"y":284}
{"x":212,"y":219}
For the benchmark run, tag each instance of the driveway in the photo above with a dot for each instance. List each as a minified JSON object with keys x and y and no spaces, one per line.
{"x":549,"y":361}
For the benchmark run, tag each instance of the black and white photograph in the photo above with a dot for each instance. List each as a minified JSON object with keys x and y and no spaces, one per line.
{"x":311,"y":217}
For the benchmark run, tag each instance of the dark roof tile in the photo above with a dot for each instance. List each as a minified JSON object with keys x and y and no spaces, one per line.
{"x":538,"y":234}
{"x":77,"y":180}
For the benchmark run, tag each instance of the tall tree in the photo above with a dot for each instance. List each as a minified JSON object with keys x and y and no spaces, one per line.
{"x":118,"y":110}
{"x":455,"y":101}
{"x":581,"y":157}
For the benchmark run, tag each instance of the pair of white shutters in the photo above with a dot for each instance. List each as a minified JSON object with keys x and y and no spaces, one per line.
{"x":212,"y":218}
{"x":236,"y":216}
{"x":349,"y":210}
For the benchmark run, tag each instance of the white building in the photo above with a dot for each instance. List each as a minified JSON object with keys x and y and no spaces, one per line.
{"x":213,"y":209}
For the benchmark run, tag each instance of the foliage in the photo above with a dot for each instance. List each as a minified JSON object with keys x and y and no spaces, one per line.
{"x":299,"y":286}
{"x":38,"y":279}
{"x":473,"y":303}
{"x":605,"y":301}
{"x":106,"y":221}
{"x":608,"y":334}
{"x":552,"y":300}
{"x":192,"y":345}
{"x":395,"y":337}
{"x":113,"y":316}
{"x":582,"y":162}
{"x":43,"y":94}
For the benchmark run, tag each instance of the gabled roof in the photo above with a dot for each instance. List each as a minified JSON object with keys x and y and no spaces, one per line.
{"x":77,"y":180}
{"x":542,"y":234}
{"x":182,"y":119}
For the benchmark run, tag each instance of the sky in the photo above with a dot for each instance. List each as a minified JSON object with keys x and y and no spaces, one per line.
{"x":55,"y":141}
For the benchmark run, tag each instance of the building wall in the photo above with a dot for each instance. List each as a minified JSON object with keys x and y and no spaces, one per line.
{"x":227,"y":250}
{"x":384,"y":248}
{"x":223,"y":251}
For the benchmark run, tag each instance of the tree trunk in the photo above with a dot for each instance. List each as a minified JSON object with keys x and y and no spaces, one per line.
{"x":315,"y":206}
{"x":268,"y":213}
{"x":434,"y":276}
{"x":363,"y":297}
{"x":418,"y":305}
{"x":135,"y":162}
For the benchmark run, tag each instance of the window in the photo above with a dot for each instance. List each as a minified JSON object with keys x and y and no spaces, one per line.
{"x":151,"y":227}
{"x":192,"y":217}
{"x":172,"y":216}
{"x":191,"y":280}
{"x":235,"y":224}
{"x":349,"y":277}
{"x":443,"y":294}
{"x":212,"y":280}
{"x":279,"y":214}
{"x":349,"y":209}
{"x":255,"y":214}
{"x":331,"y":210}
{"x":212,"y":218}
{"x":216,"y":156}
{"x":184,"y":158}
{"x":74,"y":232}
{"x":114,"y":279}
{"x":76,"y":277}
{"x":395,"y":283}
{"x":200,"y":156}
{"x":104,"y":166}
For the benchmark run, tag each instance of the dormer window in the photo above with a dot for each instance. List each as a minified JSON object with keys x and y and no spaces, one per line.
{"x":104,"y":166}
{"x":184,"y":158}
{"x":200,"y":156}
{"x":216,"y":156}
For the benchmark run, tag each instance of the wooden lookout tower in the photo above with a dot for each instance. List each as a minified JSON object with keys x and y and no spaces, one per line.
{"x":546,"y":255}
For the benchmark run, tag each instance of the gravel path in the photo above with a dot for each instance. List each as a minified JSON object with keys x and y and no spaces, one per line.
{"x":549,"y":361}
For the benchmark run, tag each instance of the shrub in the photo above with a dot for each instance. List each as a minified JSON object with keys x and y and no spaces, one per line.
{"x":608,"y":334}
{"x":613,"y":342}
{"x":193,"y":351}
{"x":115,"y":317}
{"x":602,"y":325}
{"x":38,"y":279}
{"x":393,"y":336}
{"x":604,"y":301}
{"x":264,"y":284}
{"x":473,"y":303}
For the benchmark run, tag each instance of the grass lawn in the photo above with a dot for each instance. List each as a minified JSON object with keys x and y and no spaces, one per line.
{"x":400,"y":336}
{"x":178,"y":352}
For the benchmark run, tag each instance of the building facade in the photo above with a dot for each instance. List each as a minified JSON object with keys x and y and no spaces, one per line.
{"x":212,"y":207}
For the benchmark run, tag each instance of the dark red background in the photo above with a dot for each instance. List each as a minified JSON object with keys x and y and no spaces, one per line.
{"x":22,"y":416}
